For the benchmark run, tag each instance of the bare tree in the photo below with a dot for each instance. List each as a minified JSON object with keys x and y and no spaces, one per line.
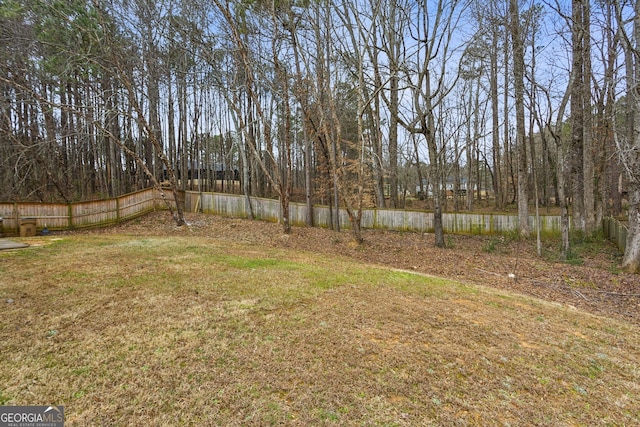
{"x":395,"y":19}
{"x":427,"y":78}
{"x":607,"y":168}
{"x":629,"y":142}
{"x":578,"y":115}
{"x":278,"y":176}
{"x":518,"y":72}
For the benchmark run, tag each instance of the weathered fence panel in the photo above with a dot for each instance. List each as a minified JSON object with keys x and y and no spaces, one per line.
{"x":549,"y":224}
{"x":389,"y":219}
{"x":132,"y":205}
{"x":95,"y":213}
{"x":386,"y":219}
{"x":63,"y":216}
{"x":231,"y":206}
{"x":51,"y":215}
{"x":266,"y":209}
{"x":321,"y":216}
{"x":467,"y":223}
{"x":298,"y":214}
{"x":616,"y":232}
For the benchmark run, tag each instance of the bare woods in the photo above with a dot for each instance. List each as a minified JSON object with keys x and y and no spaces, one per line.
{"x":353,"y":105}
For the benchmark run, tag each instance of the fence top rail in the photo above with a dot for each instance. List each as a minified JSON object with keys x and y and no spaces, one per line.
{"x":16,"y":203}
{"x":76,"y":201}
{"x":133,"y":193}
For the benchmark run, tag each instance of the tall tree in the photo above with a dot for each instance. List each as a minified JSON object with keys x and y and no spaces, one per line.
{"x":607,"y":168}
{"x":278,"y":179}
{"x":629,"y":142}
{"x":581,"y":160}
{"x":521,"y":146}
{"x":429,"y":83}
{"x":395,"y":19}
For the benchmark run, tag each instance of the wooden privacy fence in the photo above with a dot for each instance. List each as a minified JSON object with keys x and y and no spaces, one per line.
{"x":616,"y":232}
{"x":389,"y":219}
{"x":64,"y":216}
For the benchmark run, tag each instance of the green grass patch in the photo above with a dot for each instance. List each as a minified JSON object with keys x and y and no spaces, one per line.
{"x":252,"y":263}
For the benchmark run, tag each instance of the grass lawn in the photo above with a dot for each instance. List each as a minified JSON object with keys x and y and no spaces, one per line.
{"x":162,"y":331}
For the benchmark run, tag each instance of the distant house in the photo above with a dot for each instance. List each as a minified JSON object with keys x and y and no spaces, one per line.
{"x":449,"y":188}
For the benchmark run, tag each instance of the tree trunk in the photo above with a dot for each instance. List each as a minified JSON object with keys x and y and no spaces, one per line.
{"x":375,"y":139}
{"x":393,"y":136}
{"x":577,"y":118}
{"x":392,"y":29}
{"x":438,"y":228}
{"x":518,"y":72}
{"x":509,"y":180}
{"x":302,"y":94}
{"x":436,"y":182}
{"x":631,"y":260}
{"x":285,"y":182}
{"x":588,"y":154}
{"x":308,"y":181}
{"x":495,"y":125}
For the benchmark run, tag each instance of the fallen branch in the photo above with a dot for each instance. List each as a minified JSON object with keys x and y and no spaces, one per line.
{"x":488,"y":272}
{"x":578,"y":293}
{"x":619,"y":294}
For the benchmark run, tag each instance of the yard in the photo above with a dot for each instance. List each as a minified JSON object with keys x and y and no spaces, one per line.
{"x":230,"y":322}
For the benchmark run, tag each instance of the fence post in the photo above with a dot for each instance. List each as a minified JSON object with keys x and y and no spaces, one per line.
{"x":375,"y":219}
{"x":70,"y":212}
{"x":15,"y":214}
{"x":118,"y":210}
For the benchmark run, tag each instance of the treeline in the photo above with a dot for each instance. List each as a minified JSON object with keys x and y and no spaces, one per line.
{"x":345,"y":103}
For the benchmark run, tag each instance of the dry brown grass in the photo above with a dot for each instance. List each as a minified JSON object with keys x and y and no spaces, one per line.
{"x":187,"y":330}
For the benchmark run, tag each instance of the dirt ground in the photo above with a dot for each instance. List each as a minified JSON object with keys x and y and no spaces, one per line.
{"x":593,"y":284}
